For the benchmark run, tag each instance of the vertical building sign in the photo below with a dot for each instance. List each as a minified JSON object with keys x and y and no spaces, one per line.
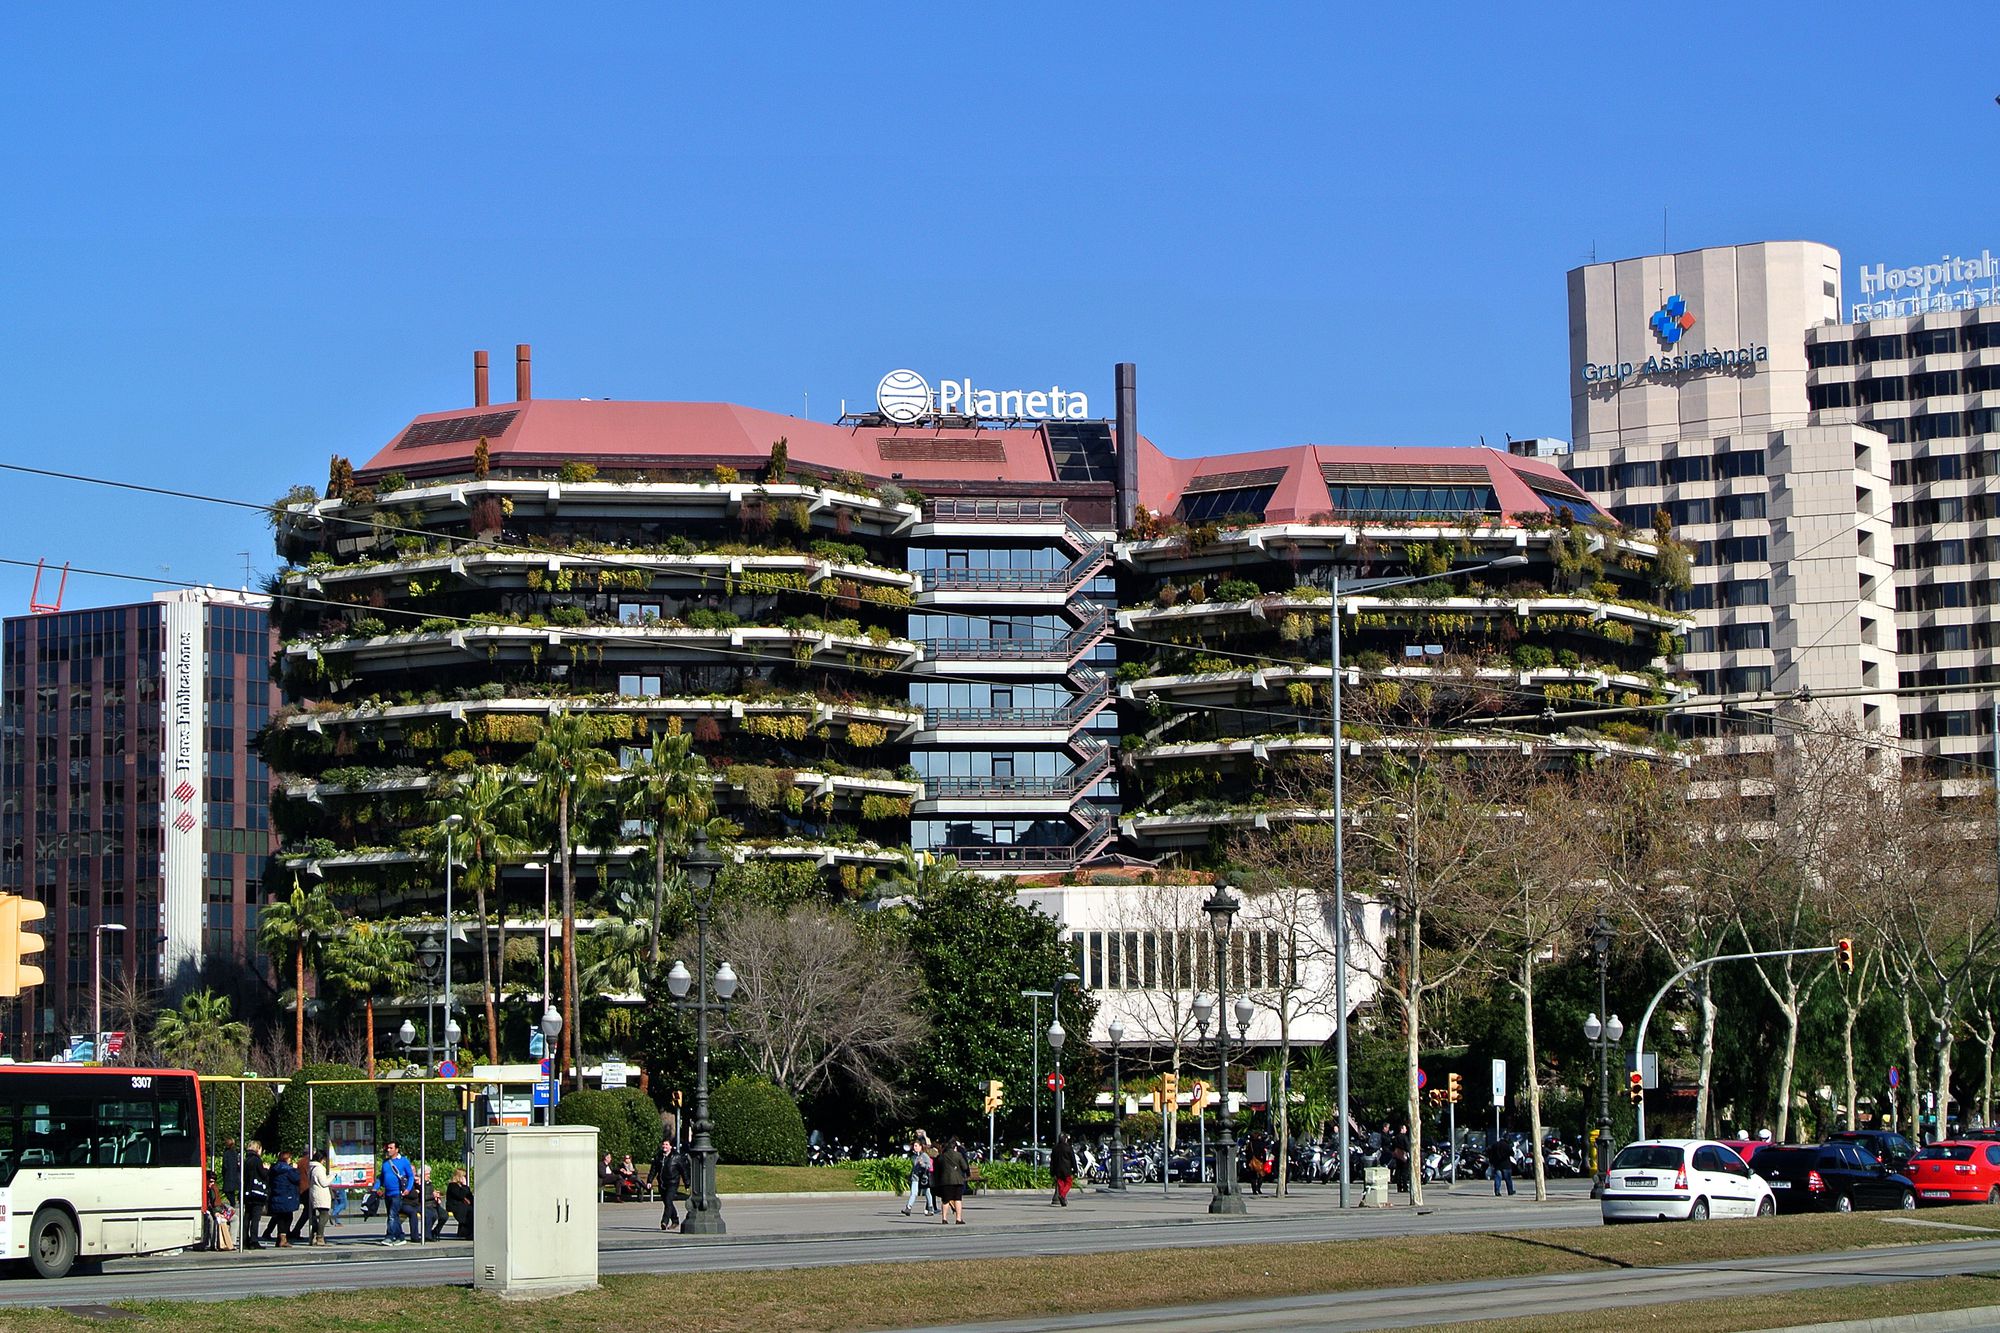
{"x":183,"y":789}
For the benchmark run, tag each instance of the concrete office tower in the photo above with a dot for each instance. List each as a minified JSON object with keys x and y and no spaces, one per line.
{"x":1729,"y":355}
{"x":1929,"y":384}
{"x":1689,"y":394}
{"x":129,"y":794}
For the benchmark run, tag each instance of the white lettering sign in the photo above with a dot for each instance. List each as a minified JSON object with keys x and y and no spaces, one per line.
{"x":904,"y":396}
{"x":1955,"y":282}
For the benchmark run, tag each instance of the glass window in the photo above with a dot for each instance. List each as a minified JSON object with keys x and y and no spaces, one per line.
{"x":1638,"y":474}
{"x":1687,"y":469}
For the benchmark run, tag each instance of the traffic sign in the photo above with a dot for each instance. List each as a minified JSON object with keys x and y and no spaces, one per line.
{"x":1422,"y":1079}
{"x":1895,"y":1077}
{"x":447,"y":1069}
{"x":1056,"y":1082}
{"x":548,"y":1067}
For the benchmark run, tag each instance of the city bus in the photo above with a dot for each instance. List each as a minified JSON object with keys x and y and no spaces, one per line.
{"x":96,"y":1163}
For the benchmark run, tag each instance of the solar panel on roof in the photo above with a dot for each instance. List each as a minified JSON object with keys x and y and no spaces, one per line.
{"x":456,"y":430}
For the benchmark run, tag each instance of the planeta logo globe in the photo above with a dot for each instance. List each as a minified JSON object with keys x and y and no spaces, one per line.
{"x":903,"y":396}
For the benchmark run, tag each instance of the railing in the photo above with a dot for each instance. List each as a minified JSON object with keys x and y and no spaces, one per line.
{"x":1021,"y":580}
{"x":1016,"y":511}
{"x":1076,"y":781}
{"x":1097,"y":835}
{"x":1066,"y":649}
{"x":1095,"y":690}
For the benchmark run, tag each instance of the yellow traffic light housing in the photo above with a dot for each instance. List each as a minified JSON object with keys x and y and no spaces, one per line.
{"x":1454,"y":1088}
{"x":18,"y":944}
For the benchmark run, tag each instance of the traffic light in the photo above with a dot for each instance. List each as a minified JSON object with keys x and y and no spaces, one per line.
{"x":1170,"y":1086}
{"x":996,"y":1095}
{"x":1638,"y":1089}
{"x":1843,"y":955}
{"x":1453,"y":1088}
{"x":17,"y":943}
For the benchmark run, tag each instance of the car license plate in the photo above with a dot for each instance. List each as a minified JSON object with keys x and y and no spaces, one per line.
{"x":1780,"y":1184}
{"x":1937,"y":1194}
{"x":1641,"y":1182}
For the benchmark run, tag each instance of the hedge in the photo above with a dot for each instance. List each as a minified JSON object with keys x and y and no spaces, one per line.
{"x":626,"y":1120}
{"x":757,"y":1124}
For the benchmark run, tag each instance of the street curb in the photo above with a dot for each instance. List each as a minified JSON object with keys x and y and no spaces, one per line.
{"x":1980,"y":1317}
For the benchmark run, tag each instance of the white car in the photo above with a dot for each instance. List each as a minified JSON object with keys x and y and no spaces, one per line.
{"x":1683,"y":1180}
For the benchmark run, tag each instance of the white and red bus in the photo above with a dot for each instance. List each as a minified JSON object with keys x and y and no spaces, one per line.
{"x":99,"y":1162}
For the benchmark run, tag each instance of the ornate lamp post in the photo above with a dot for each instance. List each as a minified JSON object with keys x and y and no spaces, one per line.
{"x":451,"y":826}
{"x":1056,"y":1038}
{"x":1221,"y":907}
{"x":699,"y":868}
{"x":1117,"y":1162}
{"x":551,"y":1026}
{"x":1603,"y":1036}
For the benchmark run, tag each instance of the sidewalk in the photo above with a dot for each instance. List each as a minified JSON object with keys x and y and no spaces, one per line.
{"x":765,"y":1218}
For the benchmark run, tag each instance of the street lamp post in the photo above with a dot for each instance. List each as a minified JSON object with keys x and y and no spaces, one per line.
{"x":1117,"y":1163}
{"x":406,"y":1036}
{"x":551,"y":1026}
{"x":97,"y":987}
{"x":451,"y":824}
{"x":699,"y":868}
{"x":1603,"y":1035}
{"x":1221,"y":907}
{"x":1056,"y":1039}
{"x":1340,"y":941}
{"x":430,"y":958}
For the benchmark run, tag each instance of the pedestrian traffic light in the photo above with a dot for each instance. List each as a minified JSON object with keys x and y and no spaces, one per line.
{"x":1638,"y":1087}
{"x":1843,"y":956}
{"x":18,"y":944}
{"x":1170,"y":1085}
{"x":1454,"y":1088}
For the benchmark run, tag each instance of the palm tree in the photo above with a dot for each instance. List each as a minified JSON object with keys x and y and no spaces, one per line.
{"x":300,"y":925}
{"x":484,"y":804}
{"x":368,"y":960}
{"x":570,"y":773}
{"x":669,"y":793}
{"x":200,"y":1034}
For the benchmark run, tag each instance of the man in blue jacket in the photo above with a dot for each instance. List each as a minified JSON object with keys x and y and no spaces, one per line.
{"x":398,"y":1179}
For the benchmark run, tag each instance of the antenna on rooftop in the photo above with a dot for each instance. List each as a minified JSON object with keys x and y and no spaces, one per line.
{"x":36,"y":606}
{"x":246,"y":569}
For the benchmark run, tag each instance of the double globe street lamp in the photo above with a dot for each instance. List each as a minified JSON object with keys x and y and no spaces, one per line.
{"x":699,"y":867}
{"x":1117,"y":1162}
{"x":1222,"y":907}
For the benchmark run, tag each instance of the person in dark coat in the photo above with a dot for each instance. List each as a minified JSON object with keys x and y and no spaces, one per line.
{"x":1500,"y":1161}
{"x":1062,"y":1165}
{"x":1257,"y":1160}
{"x":949,"y":1174}
{"x":669,"y":1173}
{"x":458,"y":1202}
{"x":232,"y":1163}
{"x":256,"y":1193}
{"x":284,"y":1197}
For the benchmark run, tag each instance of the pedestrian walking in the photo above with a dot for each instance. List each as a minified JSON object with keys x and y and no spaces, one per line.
{"x":399,"y":1180}
{"x":921,"y":1163}
{"x":1500,"y":1161}
{"x":1400,"y":1159}
{"x":949,"y":1174}
{"x":284,"y":1196}
{"x":1062,"y":1165}
{"x":256,"y":1193}
{"x":1257,"y":1157}
{"x":319,"y":1195}
{"x":669,"y":1173}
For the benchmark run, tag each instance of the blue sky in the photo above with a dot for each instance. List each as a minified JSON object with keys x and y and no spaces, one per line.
{"x":237,"y":240}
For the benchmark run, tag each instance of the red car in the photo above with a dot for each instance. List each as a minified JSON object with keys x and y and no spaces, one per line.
{"x":1957,"y":1171}
{"x":1744,"y":1148}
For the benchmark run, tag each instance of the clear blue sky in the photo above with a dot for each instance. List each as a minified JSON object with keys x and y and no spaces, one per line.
{"x":236,"y":240}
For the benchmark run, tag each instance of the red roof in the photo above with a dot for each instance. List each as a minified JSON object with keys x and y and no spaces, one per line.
{"x":549,"y":431}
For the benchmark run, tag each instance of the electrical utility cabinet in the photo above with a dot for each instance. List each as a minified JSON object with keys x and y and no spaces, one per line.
{"x":534,"y":1209}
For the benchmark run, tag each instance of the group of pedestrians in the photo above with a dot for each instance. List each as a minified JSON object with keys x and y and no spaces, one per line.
{"x":938,"y":1176}
{"x":290,"y":1198}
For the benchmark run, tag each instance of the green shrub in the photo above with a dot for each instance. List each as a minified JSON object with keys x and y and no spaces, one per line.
{"x":626,"y":1120}
{"x":1237,"y":590}
{"x":221,"y":1101}
{"x":285,"y":1127}
{"x":890,"y":1174}
{"x":757,"y":1123}
{"x":574,"y":472}
{"x":1014,"y":1176}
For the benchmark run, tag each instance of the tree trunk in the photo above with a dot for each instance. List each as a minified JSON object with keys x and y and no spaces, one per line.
{"x":1284,"y":1094}
{"x":1703,"y":1101}
{"x":1986,"y":1075}
{"x":1413,"y":1033}
{"x":1786,"y":1068}
{"x":299,"y":1006}
{"x":368,"y":1006}
{"x":659,"y":890}
{"x":1534,"y":1076}
{"x":1853,"y":1091}
{"x":569,"y":1046}
{"x":1912,"y":1073}
{"x":1943,"y":1121}
{"x":486,"y":978}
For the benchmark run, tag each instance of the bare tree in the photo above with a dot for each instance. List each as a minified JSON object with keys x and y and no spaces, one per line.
{"x":1164,"y":1014}
{"x":820,"y":999}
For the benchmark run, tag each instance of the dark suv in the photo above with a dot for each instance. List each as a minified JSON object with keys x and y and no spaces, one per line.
{"x":1839,"y":1177}
{"x":1889,"y":1148}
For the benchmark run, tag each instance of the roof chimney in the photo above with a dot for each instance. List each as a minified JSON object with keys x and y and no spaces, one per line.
{"x":479,"y":379}
{"x":521,"y":394}
{"x":1126,"y":379}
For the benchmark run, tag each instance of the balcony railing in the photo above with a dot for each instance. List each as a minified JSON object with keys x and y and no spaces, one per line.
{"x":1070,"y":715}
{"x":1066,"y":649}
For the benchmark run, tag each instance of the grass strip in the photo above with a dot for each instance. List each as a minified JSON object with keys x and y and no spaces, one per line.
{"x":1822,"y":1305}
{"x":785,"y":1179}
{"x":892,"y":1295}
